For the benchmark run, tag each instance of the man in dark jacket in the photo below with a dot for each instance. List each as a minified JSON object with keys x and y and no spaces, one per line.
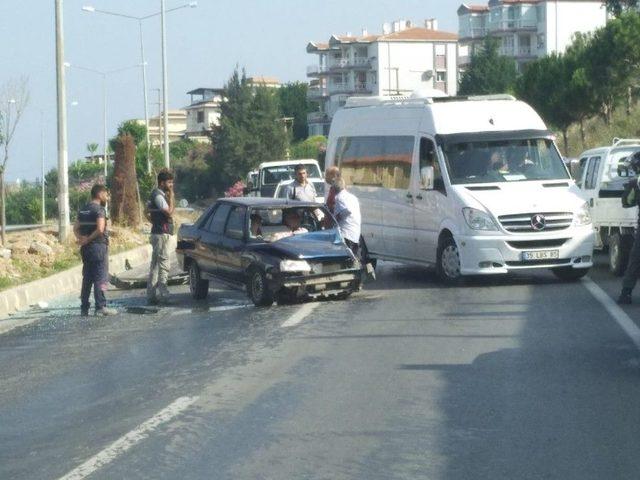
{"x":631,"y":198}
{"x":90,"y":230}
{"x":160,"y":212}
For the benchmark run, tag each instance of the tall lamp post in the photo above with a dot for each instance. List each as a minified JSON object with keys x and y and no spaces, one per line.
{"x":104,"y":75}
{"x":63,"y":173}
{"x":92,"y":9}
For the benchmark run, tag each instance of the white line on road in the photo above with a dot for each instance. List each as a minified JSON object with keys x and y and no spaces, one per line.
{"x":124,"y":443}
{"x":301,"y":314}
{"x":614,"y":310}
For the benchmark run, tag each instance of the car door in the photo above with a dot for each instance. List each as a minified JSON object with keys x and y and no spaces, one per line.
{"x":397,"y":199}
{"x":429,"y":200}
{"x":233,"y":245}
{"x":211,"y":239}
{"x":591,"y":182}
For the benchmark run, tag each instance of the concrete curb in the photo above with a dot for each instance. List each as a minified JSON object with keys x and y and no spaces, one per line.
{"x":63,"y":283}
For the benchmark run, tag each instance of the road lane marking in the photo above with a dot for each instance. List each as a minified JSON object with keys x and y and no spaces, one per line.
{"x":127,"y":441}
{"x":300,"y":315}
{"x":618,"y":314}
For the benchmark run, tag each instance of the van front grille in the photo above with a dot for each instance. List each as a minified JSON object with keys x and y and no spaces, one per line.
{"x":524,"y":222}
{"x":534,"y":244}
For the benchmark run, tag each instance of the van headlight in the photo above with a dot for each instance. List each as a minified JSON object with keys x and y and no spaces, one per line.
{"x":478,"y":220}
{"x":294,"y":266}
{"x":582,"y":216}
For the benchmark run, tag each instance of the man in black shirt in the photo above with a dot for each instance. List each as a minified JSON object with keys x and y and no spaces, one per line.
{"x":90,"y":230}
{"x":630,"y":199}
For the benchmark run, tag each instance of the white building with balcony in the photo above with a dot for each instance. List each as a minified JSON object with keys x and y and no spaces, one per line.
{"x":203,"y":113}
{"x":527,"y":29}
{"x":402,"y":59}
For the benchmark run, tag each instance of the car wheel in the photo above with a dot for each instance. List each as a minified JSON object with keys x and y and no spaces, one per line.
{"x":199,"y":288}
{"x":619,"y":249}
{"x":448,"y":263}
{"x":258,"y":289}
{"x":570,"y":274}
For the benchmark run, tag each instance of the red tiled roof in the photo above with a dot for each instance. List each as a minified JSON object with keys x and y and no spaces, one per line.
{"x":419,"y":33}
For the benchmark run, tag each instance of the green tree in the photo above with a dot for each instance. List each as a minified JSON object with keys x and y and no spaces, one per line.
{"x":489,"y":72}
{"x":92,"y":148}
{"x":250,"y":131}
{"x":612,"y":61}
{"x":313,"y":147}
{"x":294,"y":103}
{"x":132,"y":127}
{"x":618,"y":6}
{"x":24,"y":205}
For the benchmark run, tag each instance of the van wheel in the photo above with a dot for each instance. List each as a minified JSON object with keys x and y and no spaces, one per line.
{"x":258,"y":289}
{"x":570,"y":274}
{"x":199,"y":288}
{"x":619,"y":250}
{"x":448,"y":267}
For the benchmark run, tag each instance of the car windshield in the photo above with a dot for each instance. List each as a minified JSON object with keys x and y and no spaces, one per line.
{"x":273,"y":224}
{"x":504,"y":161}
{"x":275,"y":175}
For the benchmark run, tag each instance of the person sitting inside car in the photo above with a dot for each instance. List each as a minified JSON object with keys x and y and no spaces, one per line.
{"x":256,"y":226}
{"x":292,"y":220}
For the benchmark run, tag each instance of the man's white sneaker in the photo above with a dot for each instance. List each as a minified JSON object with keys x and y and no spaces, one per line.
{"x":106,"y":312}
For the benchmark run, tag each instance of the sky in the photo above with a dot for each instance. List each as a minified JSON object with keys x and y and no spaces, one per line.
{"x":204,"y":44}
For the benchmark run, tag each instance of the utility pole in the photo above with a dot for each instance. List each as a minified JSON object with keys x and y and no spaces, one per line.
{"x":44,"y":212}
{"x":165,"y":90}
{"x":144,"y":87}
{"x":104,"y":127}
{"x":63,"y":174}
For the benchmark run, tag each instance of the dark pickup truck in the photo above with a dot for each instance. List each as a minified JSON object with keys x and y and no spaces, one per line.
{"x":275,"y":249}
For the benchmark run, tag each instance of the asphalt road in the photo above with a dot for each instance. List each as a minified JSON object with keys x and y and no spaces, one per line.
{"x":520,"y":377}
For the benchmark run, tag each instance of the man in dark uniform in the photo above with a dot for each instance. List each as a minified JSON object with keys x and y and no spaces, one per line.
{"x":90,"y":230}
{"x":631,"y":198}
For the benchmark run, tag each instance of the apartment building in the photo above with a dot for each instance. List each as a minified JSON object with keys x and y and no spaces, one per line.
{"x":526,"y":29}
{"x":400,"y":60}
{"x":203,"y":112}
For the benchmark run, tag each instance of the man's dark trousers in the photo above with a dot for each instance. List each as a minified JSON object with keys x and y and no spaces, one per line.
{"x":95,"y":273}
{"x":633,"y":268}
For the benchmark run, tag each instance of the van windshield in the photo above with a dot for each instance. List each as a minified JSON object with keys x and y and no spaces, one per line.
{"x":503,"y":161}
{"x":275,"y":175}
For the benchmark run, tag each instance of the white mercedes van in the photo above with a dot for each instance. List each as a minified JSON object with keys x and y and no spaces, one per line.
{"x":472,"y":185}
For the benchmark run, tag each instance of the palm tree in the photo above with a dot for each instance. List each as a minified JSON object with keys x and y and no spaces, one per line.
{"x":93,"y":148}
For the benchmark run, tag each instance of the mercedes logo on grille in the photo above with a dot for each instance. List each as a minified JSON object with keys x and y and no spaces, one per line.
{"x":538,"y":222}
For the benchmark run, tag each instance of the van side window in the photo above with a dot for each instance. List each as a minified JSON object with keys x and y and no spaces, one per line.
{"x":376,"y":161}
{"x":429,"y":166}
{"x":592,"y":173}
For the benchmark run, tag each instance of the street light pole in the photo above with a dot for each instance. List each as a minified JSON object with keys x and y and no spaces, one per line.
{"x":104,"y":126}
{"x":44,"y":214}
{"x":165,"y":91}
{"x":146,"y":101}
{"x":63,"y":174}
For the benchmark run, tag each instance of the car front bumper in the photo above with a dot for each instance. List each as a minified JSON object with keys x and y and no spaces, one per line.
{"x":323,"y":284}
{"x":481,"y":255}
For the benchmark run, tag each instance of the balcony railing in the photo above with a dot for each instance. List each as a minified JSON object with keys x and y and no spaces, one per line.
{"x":359,"y":87}
{"x":360,"y":62}
{"x":525,"y":51}
{"x":339,"y":63}
{"x":317,"y":117}
{"x":513,"y":25}
{"x":362,"y":88}
{"x":316,"y":92}
{"x":315,"y":70}
{"x":473,"y":32}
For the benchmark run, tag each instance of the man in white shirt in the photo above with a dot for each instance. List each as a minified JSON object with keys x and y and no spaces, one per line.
{"x":347,"y":213}
{"x":301,"y":189}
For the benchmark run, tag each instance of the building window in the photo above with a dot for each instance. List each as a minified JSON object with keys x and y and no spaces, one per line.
{"x":541,"y":42}
{"x":441,"y":77}
{"x":376,"y":160}
{"x":200,"y":116}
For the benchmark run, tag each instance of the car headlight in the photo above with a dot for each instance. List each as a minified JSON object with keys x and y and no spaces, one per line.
{"x":478,"y":220}
{"x":294,"y":266}
{"x":582,"y":216}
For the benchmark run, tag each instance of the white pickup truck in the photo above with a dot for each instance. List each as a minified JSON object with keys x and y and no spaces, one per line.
{"x":601,"y":174}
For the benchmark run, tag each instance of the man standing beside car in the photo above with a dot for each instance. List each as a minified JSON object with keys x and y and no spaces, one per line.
{"x":301,"y":189}
{"x":347,"y":214}
{"x":330,"y":177}
{"x":160,"y":210}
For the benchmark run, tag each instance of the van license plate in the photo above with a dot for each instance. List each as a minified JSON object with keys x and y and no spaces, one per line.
{"x":541,"y":255}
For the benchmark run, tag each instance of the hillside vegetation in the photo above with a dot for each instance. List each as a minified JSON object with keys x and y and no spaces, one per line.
{"x":597,"y":133}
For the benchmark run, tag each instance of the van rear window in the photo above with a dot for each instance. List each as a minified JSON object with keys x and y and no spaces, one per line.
{"x":383,"y":161}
